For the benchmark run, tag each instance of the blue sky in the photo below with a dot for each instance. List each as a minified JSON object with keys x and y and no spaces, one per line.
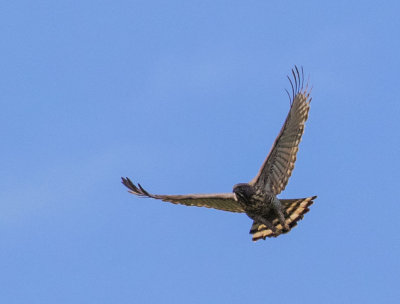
{"x":183,"y":97}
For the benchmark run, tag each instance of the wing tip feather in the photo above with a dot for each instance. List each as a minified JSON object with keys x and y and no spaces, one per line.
{"x":137,"y":190}
{"x":297,"y":84}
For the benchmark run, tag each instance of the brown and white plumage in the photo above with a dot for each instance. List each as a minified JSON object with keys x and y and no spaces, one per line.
{"x":257,"y":198}
{"x":220,"y":201}
{"x":294,"y":210}
{"x":278,"y":166}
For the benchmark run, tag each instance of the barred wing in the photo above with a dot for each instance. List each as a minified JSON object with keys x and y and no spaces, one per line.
{"x":294,"y":210}
{"x":220,"y":201}
{"x":278,"y":166}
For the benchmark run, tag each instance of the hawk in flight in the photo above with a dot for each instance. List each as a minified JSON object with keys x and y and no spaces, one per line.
{"x":258,"y":198}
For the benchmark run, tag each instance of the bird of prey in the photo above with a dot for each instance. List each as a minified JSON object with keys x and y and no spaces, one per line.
{"x":258,"y":198}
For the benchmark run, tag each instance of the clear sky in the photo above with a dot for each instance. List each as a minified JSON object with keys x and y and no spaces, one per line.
{"x":188,"y":97}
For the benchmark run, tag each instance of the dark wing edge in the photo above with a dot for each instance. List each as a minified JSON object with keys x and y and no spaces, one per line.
{"x":277,"y":168}
{"x":294,"y":210}
{"x":219,"y":201}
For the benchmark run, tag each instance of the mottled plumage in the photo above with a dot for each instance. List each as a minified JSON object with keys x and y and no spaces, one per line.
{"x":271,"y":216}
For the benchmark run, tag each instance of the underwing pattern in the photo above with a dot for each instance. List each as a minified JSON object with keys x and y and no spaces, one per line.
{"x":258,"y":198}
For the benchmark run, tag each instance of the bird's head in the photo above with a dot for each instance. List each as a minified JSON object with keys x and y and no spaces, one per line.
{"x":243,"y":191}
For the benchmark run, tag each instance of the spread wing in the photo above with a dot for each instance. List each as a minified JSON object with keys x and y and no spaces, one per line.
{"x":220,"y":201}
{"x":278,"y":166}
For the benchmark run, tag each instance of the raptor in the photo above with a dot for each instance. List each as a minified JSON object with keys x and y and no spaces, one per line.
{"x":258,"y":198}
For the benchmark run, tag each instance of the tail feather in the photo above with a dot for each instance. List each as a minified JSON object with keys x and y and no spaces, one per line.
{"x":294,"y":210}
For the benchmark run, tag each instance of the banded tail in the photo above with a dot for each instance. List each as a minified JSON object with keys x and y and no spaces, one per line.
{"x":294,"y":210}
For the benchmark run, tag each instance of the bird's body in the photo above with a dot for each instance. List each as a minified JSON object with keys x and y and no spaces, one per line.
{"x":258,"y":198}
{"x":255,"y":202}
{"x":259,"y":205}
{"x":271,"y":216}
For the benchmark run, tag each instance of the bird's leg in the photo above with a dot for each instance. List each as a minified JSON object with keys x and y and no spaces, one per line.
{"x":281,"y":218}
{"x":278,"y":210}
{"x":267,"y":223}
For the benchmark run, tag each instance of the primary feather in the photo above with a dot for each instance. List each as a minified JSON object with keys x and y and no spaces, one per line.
{"x":272,"y":216}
